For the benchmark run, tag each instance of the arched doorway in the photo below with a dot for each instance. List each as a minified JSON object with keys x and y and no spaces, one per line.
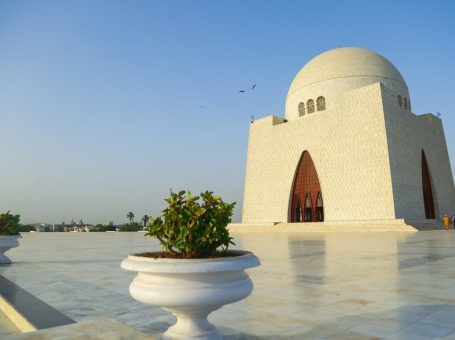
{"x":319,"y":208}
{"x":308,"y":216}
{"x":297,"y":210}
{"x":427,"y":189}
{"x":306,"y":189}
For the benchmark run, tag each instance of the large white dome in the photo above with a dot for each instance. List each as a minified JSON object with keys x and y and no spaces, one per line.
{"x":334,"y":72}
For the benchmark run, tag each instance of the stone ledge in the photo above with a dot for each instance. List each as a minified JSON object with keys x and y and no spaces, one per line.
{"x":422,"y":224}
{"x":27,"y":312}
{"x":334,"y":226}
{"x":97,"y":328}
{"x":16,"y":318}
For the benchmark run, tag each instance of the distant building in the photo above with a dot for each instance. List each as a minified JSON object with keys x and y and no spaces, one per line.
{"x":46,"y":227}
{"x":78,"y":227}
{"x":348,"y":149}
{"x":42,"y":227}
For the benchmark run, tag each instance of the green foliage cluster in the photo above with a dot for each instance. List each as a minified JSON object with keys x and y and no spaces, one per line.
{"x":9,"y":224}
{"x":104,"y":228}
{"x":25,"y":228}
{"x":189,"y":228}
{"x":133,"y":226}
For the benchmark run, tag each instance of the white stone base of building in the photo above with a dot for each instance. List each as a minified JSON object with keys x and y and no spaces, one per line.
{"x":341,"y":226}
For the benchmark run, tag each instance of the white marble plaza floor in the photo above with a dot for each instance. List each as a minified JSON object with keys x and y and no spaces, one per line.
{"x":310,"y":285}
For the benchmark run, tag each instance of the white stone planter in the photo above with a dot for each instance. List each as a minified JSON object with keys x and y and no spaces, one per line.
{"x":191,"y":289}
{"x":6,"y":243}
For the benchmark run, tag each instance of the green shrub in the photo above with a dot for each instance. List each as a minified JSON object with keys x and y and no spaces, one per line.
{"x":104,"y":228}
{"x":9,"y":224}
{"x":25,"y":228}
{"x":133,"y":226}
{"x":189,"y":228}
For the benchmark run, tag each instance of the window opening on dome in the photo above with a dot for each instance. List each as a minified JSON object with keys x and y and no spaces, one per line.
{"x":400,"y":100}
{"x":301,"y":109}
{"x":320,"y":102}
{"x":405,"y":103}
{"x":310,"y":106}
{"x":409,"y":104}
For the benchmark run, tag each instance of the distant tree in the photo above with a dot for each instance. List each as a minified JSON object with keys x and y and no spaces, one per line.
{"x":111,"y":227}
{"x":130,"y":227}
{"x":60,"y":227}
{"x":105,"y":227}
{"x":144,"y":220}
{"x":25,"y":228}
{"x":98,"y":227}
{"x":130,"y":216}
{"x":81,"y":222}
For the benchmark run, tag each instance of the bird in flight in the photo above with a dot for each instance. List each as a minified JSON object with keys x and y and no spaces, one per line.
{"x":252,"y":88}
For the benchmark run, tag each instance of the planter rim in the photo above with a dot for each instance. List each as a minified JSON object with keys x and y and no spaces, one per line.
{"x":163,"y":265}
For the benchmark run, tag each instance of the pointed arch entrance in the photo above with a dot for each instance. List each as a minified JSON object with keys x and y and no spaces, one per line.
{"x":307,"y":190}
{"x":427,"y":189}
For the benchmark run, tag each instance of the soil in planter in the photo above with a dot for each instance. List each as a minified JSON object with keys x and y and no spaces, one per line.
{"x":168,"y":255}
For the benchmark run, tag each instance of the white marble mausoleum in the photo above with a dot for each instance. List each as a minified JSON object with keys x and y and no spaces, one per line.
{"x":349,"y":148}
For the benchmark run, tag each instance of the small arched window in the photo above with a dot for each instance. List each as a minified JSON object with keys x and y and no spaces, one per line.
{"x":310,"y":106}
{"x":320,"y":102}
{"x":400,"y":100}
{"x":409,"y":104}
{"x":301,"y":109}
{"x":405,"y":103}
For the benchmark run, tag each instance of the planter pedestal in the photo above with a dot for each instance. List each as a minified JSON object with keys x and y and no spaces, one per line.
{"x":6,"y":243}
{"x":192,"y":324}
{"x":191,"y":289}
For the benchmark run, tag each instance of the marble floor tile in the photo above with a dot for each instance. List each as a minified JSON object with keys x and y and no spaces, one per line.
{"x":310,"y":285}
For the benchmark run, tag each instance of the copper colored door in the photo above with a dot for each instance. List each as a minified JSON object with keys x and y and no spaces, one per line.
{"x":306,"y":190}
{"x":427,"y":189}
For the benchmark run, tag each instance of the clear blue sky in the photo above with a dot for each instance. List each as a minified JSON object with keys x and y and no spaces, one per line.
{"x":106,"y":105}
